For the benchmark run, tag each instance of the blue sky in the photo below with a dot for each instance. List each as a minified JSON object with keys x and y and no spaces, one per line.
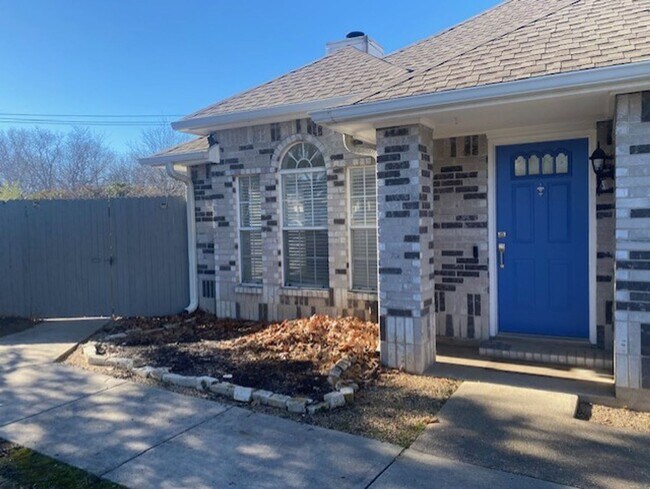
{"x":167,"y":57}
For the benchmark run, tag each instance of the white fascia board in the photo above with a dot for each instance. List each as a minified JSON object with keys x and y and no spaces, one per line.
{"x":186,"y":159}
{"x":208,"y":124}
{"x":584,"y":80}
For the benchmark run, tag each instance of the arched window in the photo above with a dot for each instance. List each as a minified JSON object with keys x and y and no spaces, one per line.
{"x":304,"y":217}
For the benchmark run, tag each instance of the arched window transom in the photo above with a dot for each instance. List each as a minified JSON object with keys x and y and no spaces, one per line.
{"x":303,"y":156}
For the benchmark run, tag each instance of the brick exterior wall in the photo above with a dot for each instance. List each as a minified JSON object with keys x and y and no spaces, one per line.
{"x":406,"y":249}
{"x":432,"y":234}
{"x":258,"y":150}
{"x":461,"y":237}
{"x":605,"y":248}
{"x":632,"y":316}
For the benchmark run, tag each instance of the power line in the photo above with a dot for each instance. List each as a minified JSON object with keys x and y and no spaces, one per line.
{"x":96,"y":116}
{"x":60,"y":122}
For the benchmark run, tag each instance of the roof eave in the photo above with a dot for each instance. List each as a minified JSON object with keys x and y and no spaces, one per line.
{"x":592,"y":79}
{"x":186,"y":159}
{"x":205,"y":125}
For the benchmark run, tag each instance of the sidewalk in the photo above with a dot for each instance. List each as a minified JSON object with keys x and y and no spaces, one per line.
{"x":45,"y":342}
{"x":145,"y":437}
{"x":534,"y":432}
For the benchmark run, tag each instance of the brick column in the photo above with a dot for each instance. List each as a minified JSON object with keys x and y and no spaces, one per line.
{"x":632,"y":316}
{"x":405,"y":221}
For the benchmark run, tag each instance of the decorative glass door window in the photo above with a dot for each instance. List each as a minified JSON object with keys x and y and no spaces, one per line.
{"x":546,"y":164}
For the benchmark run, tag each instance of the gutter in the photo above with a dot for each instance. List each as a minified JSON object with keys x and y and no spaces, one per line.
{"x":206,"y":125}
{"x":191,"y":235}
{"x":584,"y":81}
{"x":196,"y":158}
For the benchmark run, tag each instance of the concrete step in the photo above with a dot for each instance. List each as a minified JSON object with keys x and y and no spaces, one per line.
{"x":554,"y":352}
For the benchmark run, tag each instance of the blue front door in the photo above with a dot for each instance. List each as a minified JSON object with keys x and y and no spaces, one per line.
{"x":542,"y":240}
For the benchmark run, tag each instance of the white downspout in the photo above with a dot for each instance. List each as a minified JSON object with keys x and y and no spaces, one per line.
{"x":358,"y":148}
{"x":191,"y":234}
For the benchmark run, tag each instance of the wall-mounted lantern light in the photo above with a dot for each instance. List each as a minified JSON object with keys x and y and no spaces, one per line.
{"x":602,"y":168}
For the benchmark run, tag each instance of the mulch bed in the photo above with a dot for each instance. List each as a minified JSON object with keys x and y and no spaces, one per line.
{"x":291,"y":357}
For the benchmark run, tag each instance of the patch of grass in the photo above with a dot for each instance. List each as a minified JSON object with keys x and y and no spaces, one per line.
{"x":21,"y":468}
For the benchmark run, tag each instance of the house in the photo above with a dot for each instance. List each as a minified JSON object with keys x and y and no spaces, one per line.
{"x":490,"y":180}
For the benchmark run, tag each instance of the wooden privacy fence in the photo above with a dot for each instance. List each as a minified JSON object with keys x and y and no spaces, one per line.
{"x":71,"y":258}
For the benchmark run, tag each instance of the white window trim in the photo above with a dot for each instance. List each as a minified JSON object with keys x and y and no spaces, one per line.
{"x":241,"y":228}
{"x":283,"y":227}
{"x":351,"y":227}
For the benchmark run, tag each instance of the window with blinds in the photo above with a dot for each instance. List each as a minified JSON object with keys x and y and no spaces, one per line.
{"x":363,"y":227}
{"x":250,"y":230}
{"x":304,"y":217}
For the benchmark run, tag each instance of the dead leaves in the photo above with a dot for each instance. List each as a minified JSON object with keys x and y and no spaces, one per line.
{"x":320,"y":339}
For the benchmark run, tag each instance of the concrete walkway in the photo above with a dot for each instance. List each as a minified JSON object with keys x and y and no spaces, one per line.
{"x":488,"y":435}
{"x":45,"y":342}
{"x":533,"y":432}
{"x":145,"y":437}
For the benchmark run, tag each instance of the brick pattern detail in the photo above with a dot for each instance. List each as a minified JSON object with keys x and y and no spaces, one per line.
{"x":405,"y":215}
{"x":632,"y":312}
{"x":461,"y":237}
{"x":257,"y":150}
{"x":206,"y":221}
{"x":606,"y":248}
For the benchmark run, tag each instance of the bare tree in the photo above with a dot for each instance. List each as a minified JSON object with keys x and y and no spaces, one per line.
{"x":87,"y":160}
{"x":46,"y":151}
{"x":48,"y":164}
{"x":29,"y":158}
{"x":152,"y":141}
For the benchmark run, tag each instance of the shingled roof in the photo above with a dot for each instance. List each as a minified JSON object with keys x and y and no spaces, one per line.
{"x":577,"y":35}
{"x":516,"y":40}
{"x":193,"y":146}
{"x":342,"y":73}
{"x":489,"y":25}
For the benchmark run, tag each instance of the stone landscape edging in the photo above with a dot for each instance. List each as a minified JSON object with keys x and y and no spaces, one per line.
{"x":343,"y":393}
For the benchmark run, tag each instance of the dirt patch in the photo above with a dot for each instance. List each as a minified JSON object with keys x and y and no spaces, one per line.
{"x":618,"y":418}
{"x":21,"y":468}
{"x":396,"y":408}
{"x":14,"y":325}
{"x":292,"y":357}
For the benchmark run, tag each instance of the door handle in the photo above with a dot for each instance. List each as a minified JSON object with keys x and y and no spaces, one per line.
{"x":502,"y":252}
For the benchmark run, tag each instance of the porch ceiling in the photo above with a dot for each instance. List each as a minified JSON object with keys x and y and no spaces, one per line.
{"x":491,"y":116}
